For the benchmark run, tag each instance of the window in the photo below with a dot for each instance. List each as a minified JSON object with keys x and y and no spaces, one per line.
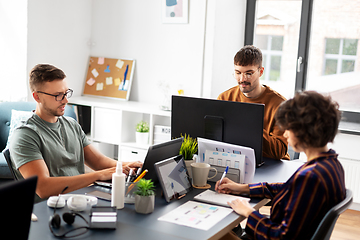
{"x":320,"y":47}
{"x":340,"y":55}
{"x":271,"y":47}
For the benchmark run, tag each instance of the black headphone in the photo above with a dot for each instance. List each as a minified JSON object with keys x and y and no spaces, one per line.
{"x":69,"y":218}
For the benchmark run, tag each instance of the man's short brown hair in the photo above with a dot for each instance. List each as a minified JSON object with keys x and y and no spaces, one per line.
{"x":312,"y":117}
{"x":248,"y":55}
{"x":42,"y":73}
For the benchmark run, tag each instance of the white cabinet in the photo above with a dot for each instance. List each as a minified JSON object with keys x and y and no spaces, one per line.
{"x":114,"y":121}
{"x":106,"y":125}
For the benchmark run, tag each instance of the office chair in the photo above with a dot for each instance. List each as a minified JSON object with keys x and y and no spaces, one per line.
{"x":326,"y":226}
{"x":6,"y":153}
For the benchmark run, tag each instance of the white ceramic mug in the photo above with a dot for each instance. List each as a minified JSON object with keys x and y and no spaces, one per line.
{"x":200,"y":173}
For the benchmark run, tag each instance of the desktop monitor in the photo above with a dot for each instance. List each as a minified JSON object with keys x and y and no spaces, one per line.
{"x":231,"y":122}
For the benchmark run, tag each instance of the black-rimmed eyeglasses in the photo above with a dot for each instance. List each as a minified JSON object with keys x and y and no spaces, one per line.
{"x":59,"y":97}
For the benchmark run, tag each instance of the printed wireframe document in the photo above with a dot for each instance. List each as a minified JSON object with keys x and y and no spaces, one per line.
{"x":216,"y":198}
{"x":212,"y":145}
{"x":224,"y":159}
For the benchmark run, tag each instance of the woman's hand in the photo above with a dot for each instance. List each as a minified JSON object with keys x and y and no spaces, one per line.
{"x":228,"y":186}
{"x":242,"y":207}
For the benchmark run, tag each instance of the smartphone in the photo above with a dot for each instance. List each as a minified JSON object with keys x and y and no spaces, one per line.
{"x":100,"y":194}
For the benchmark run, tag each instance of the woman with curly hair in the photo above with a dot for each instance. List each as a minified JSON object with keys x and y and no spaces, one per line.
{"x":310,"y":121}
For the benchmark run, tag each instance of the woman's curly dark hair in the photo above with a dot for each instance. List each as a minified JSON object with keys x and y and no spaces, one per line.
{"x":312,"y":117}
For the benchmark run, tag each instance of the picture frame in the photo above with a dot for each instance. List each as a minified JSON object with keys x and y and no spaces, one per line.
{"x":175,"y":11}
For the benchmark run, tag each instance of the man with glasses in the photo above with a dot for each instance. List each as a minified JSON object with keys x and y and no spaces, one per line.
{"x":54,"y":147}
{"x":247,"y":71}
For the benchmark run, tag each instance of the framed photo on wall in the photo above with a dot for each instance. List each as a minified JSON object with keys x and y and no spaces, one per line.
{"x":175,"y":11}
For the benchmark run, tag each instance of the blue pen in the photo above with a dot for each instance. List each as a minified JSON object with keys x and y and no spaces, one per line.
{"x":225,"y":172}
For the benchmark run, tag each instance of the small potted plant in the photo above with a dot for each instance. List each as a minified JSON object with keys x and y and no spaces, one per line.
{"x":142,"y":133}
{"x":145,"y":197}
{"x":188,"y":148}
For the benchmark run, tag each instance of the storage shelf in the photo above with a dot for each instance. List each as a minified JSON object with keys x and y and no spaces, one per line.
{"x":113,"y":122}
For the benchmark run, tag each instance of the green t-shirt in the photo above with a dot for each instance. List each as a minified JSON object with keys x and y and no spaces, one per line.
{"x":59,"y":144}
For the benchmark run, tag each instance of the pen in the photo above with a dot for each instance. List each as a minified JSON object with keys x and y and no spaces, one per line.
{"x":138,"y":172}
{"x":129,"y":176}
{"x":225,"y":172}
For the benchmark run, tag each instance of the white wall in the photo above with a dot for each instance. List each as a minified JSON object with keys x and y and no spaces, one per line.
{"x":13,"y":48}
{"x":225,"y":36}
{"x":168,"y":53}
{"x":58,"y":33}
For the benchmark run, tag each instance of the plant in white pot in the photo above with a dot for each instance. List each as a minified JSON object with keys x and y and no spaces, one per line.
{"x":142,"y":133}
{"x":188,"y":148}
{"x":145,"y":197}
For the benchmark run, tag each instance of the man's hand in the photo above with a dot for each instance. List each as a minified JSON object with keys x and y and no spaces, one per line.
{"x":134,"y":165}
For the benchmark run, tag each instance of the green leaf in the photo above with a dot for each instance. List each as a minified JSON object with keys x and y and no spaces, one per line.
{"x":145,"y":188}
{"x":142,"y":126}
{"x":189,"y":147}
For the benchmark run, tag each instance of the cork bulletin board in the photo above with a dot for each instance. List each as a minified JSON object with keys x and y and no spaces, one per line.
{"x":109,"y":77}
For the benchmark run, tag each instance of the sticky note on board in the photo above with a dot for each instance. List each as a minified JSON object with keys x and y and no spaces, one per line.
{"x":117,"y":81}
{"x":95,"y":73}
{"x":99,"y":86}
{"x":90,"y":82}
{"x":101,"y":60}
{"x":119,"y":63}
{"x":109,"y":81}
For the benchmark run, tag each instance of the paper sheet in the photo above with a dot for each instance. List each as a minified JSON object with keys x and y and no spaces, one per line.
{"x":196,"y":215}
{"x":225,"y":159}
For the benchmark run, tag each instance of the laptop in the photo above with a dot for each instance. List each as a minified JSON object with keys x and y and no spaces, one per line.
{"x":17,"y":201}
{"x":156,"y":153}
{"x":159,"y":152}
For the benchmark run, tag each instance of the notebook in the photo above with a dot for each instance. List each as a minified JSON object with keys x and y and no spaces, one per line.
{"x":17,"y":201}
{"x":216,"y":198}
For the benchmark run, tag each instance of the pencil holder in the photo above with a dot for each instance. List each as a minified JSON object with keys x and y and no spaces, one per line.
{"x":130,"y":188}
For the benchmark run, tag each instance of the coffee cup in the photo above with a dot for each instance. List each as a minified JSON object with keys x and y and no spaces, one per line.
{"x":200,"y":173}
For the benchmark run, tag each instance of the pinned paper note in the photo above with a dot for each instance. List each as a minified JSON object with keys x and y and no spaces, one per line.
{"x":117,"y":81}
{"x":90,"y":82}
{"x":119,"y":64}
{"x":99,"y":86}
{"x":109,"y":81}
{"x":101,"y":60}
{"x":95,"y":72}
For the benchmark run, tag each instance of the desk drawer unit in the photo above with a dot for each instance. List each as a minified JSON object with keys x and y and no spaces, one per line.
{"x":132,"y":154}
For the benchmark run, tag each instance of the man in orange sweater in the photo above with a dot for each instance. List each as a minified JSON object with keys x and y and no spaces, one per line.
{"x":247,"y":71}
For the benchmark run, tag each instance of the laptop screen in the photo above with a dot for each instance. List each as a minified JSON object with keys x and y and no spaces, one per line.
{"x":17,"y":201}
{"x":159,"y":152}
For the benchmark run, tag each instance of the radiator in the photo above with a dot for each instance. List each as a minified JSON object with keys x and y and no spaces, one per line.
{"x":352,"y":177}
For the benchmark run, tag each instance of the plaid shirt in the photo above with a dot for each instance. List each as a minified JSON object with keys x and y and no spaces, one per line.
{"x":299,"y":205}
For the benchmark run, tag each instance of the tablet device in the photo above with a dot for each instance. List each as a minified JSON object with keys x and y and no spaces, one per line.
{"x":173,"y":177}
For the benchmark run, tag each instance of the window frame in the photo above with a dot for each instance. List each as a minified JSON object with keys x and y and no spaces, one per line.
{"x":303,"y":52}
